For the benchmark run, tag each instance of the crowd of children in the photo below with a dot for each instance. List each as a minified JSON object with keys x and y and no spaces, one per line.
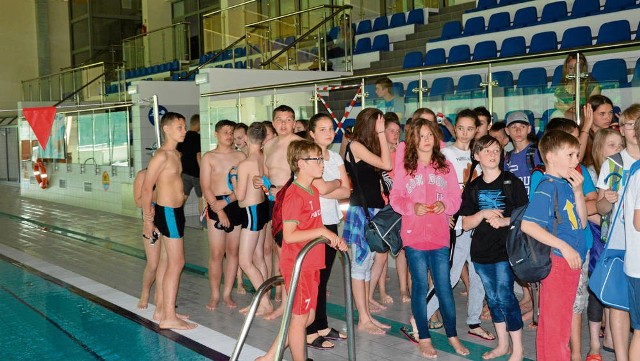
{"x":455,"y":201}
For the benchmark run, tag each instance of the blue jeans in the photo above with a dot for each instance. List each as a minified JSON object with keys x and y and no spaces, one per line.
{"x":420,"y":263}
{"x":498,"y":281}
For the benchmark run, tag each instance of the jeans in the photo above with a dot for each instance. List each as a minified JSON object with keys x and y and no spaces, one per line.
{"x":476,"y":290}
{"x":420,"y":263}
{"x":498,"y":281}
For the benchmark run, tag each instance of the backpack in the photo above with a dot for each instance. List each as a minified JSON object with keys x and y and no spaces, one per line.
{"x":530,"y":157}
{"x":529,"y":258}
{"x":276,"y":215}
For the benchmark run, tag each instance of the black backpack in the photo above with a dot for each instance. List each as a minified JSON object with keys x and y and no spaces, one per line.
{"x":529,"y":259}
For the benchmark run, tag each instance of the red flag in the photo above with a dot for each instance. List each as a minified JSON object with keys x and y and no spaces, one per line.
{"x":41,"y":121}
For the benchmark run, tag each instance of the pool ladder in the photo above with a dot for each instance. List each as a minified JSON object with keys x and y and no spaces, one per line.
{"x":286,"y":317}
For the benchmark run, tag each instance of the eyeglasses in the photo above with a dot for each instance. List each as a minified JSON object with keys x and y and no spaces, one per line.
{"x":628,"y":125}
{"x":318,"y":160}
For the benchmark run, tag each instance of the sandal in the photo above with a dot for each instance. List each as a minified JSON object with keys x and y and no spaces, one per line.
{"x":434,"y":325}
{"x":319,"y":344}
{"x":334,"y":334}
{"x":408,"y":334}
{"x":482,"y":333}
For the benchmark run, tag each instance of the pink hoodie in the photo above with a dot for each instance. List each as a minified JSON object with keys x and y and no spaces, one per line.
{"x":430,"y":231}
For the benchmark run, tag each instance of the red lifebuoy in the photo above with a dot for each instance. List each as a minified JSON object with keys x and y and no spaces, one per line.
{"x":40,"y":173}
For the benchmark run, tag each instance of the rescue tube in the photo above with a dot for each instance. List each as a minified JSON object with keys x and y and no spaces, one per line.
{"x":40,"y":173}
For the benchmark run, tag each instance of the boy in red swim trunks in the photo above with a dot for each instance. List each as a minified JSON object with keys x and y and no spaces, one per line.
{"x":302,"y":222}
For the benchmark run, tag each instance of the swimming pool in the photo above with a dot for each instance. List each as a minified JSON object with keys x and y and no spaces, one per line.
{"x":44,"y":319}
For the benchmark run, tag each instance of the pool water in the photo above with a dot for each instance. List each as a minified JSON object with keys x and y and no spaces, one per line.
{"x":42,"y":320}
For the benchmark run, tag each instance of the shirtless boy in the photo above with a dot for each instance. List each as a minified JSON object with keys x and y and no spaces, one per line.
{"x":224,"y":215}
{"x":256,"y":207}
{"x":277,"y":169}
{"x":167,"y":216}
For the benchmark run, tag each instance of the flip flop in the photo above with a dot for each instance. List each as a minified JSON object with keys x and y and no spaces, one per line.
{"x":317,"y":344}
{"x":334,"y":335}
{"x":608,"y":349}
{"x":408,"y":334}
{"x":435,"y":325}
{"x":484,"y":334}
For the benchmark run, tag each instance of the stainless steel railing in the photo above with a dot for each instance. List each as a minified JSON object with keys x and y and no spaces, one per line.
{"x":286,"y":318}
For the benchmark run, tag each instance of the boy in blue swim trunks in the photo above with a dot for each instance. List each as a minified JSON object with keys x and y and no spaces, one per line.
{"x":165,"y":172}
{"x":224,"y":214}
{"x":253,"y":202}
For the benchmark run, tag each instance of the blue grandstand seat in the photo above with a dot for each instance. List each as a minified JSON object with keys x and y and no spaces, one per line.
{"x":363,"y":27}
{"x":532,"y":81}
{"x":610,"y":73}
{"x":553,"y":12}
{"x":240,"y":52}
{"x":499,"y":21}
{"x":513,"y":46}
{"x":635,"y":80}
{"x":363,"y":45}
{"x":525,"y":17}
{"x":227,"y":65}
{"x":504,"y":78}
{"x":484,"y":50}
{"x":582,"y":8}
{"x":227,"y":55}
{"x":441,"y":86}
{"x":511,"y":2}
{"x":412,"y":90}
{"x":397,"y":19}
{"x":412,"y":59}
{"x":435,"y":57}
{"x":543,"y":42}
{"x":380,"y":23}
{"x":474,"y":26}
{"x":613,"y":32}
{"x":289,"y":40}
{"x":617,"y":5}
{"x":451,"y":29}
{"x":486,"y":4}
{"x":416,"y":16}
{"x":380,"y":43}
{"x":576,"y":37}
{"x":469,"y":82}
{"x":333,"y":33}
{"x":544,"y":120}
{"x":398,"y":89}
{"x":459,"y":53}
{"x":370,"y":91}
{"x":557,"y":77}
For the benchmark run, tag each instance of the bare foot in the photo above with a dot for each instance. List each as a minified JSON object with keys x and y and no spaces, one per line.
{"x":458,"y":347}
{"x":526,"y":316}
{"x":532,"y":326}
{"x":380,"y":324}
{"x":229,"y":302}
{"x":278,"y":296}
{"x":157,"y":314}
{"x":275,"y":314}
{"x":373,"y":304}
{"x":516,"y":356}
{"x":486,"y":314}
{"x":142,"y":305}
{"x":370,"y":328}
{"x":177,"y":324}
{"x":211,"y":306}
{"x":426,"y":349}
{"x":405,"y":298}
{"x":386,"y":299}
{"x":496,"y":352}
{"x":240,"y":290}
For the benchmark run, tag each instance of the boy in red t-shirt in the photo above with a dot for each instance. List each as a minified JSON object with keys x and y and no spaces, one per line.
{"x":302,"y":222}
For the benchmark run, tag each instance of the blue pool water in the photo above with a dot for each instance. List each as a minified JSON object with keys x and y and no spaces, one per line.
{"x":42,"y":320}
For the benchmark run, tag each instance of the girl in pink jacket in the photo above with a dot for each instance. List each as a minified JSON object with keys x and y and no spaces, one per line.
{"x":426,"y":194}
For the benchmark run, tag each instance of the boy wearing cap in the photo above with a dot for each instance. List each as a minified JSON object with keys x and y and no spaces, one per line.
{"x":524,"y":157}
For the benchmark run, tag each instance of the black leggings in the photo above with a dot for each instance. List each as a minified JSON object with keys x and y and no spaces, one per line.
{"x":594,"y":307}
{"x":320,"y":322}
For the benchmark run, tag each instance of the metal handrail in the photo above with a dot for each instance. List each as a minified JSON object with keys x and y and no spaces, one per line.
{"x":227,"y":8}
{"x":155,"y":30}
{"x":310,"y":31}
{"x":298,"y":12}
{"x":286,"y":317}
{"x":71,"y":70}
{"x":427,"y":68}
{"x":213,"y":58}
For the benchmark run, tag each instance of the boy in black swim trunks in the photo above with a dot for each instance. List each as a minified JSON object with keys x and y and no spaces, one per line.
{"x":223,"y":211}
{"x":164,"y":171}
{"x":256,"y":208}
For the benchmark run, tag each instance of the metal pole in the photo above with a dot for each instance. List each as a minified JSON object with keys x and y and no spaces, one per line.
{"x":253,"y":308}
{"x":364,"y":95}
{"x":315,"y":98}
{"x":490,"y":90}
{"x":156,"y":117}
{"x":578,"y":74}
